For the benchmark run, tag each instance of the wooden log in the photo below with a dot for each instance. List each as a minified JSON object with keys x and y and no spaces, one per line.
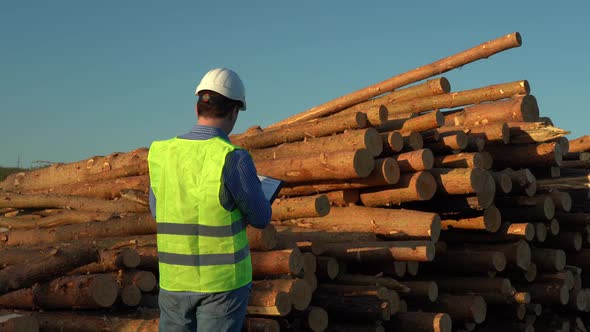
{"x":412,"y":268}
{"x":566,"y":240}
{"x":342,"y":198}
{"x":491,"y":133}
{"x":110,"y":260}
{"x":419,"y":123}
{"x":60,"y":219}
{"x":449,"y":143}
{"x":503,"y":182}
{"x":386,"y":172}
{"x":298,"y":290}
{"x":460,"y":98}
{"x":367,"y":139}
{"x":129,"y":295}
{"x":360,"y":279}
{"x":490,"y":221}
{"x":543,"y":154}
{"x":324,"y":166}
{"x":292,"y":234}
{"x":419,"y":321}
{"x":388,"y":223}
{"x":353,"y":308}
{"x":45,"y":267}
{"x":380,"y":292}
{"x":461,"y":308}
{"x":432,"y":87}
{"x":69,"y":202}
{"x":419,"y":186}
{"x":580,"y":144}
{"x":393,"y":142}
{"x":508,"y":232}
{"x":534,"y":132}
{"x":575,"y":164}
{"x":472,"y":285}
{"x":415,"y":161}
{"x":377,"y":251}
{"x":259,"y":324}
{"x":67,"y":321}
{"x":584,"y":156}
{"x":300,"y":131}
{"x":566,"y":277}
{"x":460,"y":160}
{"x":482,"y":51}
{"x":115,"y":165}
{"x":540,"y":232}
{"x":562,"y":200}
{"x":311,"y":319}
{"x":13,"y":322}
{"x":421,"y":291}
{"x":271,"y":298}
{"x":106,"y":189}
{"x":520,"y":107}
{"x":523,"y":181}
{"x":412,"y":141}
{"x":300,"y":207}
{"x":524,"y":208}
{"x":327,"y":268}
{"x":547,"y":293}
{"x":549,"y":260}
{"x":262,"y":239}
{"x":518,"y":254}
{"x":466,"y":261}
{"x":91,"y":291}
{"x":144,"y":280}
{"x":276,"y":262}
{"x":461,"y":181}
{"x":132,"y":225}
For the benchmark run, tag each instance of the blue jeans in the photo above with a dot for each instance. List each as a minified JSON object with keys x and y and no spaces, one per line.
{"x":216,"y":312}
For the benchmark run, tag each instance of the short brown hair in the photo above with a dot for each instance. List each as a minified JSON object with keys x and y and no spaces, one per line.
{"x":214,"y":105}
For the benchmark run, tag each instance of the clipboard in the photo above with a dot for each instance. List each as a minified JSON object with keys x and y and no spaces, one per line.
{"x":270,"y":187}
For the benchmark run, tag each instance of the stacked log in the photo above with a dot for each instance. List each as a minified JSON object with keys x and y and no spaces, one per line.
{"x":414,"y":209}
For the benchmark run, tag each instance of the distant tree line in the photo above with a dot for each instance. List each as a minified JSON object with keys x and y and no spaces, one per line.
{"x":5,"y":171}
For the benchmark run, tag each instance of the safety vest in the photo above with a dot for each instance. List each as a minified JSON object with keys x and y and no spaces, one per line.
{"x":202,"y":247}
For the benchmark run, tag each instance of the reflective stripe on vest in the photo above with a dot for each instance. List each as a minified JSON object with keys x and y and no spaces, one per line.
{"x":202,"y":247}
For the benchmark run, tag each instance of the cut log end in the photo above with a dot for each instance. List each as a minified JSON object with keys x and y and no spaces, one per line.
{"x":130,"y":295}
{"x":492,"y":219}
{"x":317,"y":319}
{"x":322,"y":205}
{"x":499,"y":261}
{"x":395,"y":141}
{"x":130,"y":258}
{"x":373,"y":142}
{"x":414,"y":141}
{"x":363,"y":163}
{"x":442,"y":323}
{"x":390,"y":169}
{"x":425,"y":185}
{"x":104,"y":290}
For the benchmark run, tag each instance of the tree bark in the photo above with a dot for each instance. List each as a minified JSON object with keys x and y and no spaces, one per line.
{"x":523,"y":181}
{"x":107,"y":189}
{"x":377,"y":251}
{"x":300,"y":131}
{"x":18,"y":322}
{"x":547,"y":293}
{"x":44,"y":267}
{"x":97,"y":168}
{"x":490,"y":221}
{"x":368,"y":139}
{"x":389,"y":223}
{"x":69,"y":202}
{"x":262,"y":239}
{"x":76,"y":321}
{"x":412,"y":141}
{"x":479,"y":52}
{"x":341,"y":165}
{"x":419,"y":123}
{"x":300,"y":207}
{"x":343,"y":198}
{"x":415,"y":161}
{"x":533,"y":132}
{"x":420,"y":186}
{"x":507,"y":233}
{"x":66,"y":217}
{"x":503,"y":182}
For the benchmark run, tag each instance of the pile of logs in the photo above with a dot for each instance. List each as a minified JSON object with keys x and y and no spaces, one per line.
{"x":405,"y":208}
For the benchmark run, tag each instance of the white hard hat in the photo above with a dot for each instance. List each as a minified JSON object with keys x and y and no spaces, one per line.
{"x":225,"y":82}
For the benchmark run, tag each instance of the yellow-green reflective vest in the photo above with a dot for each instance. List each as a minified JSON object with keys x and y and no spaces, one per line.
{"x":202,"y":247}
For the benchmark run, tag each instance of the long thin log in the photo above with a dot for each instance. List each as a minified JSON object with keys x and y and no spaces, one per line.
{"x":343,"y":198}
{"x":490,"y":221}
{"x":262,"y":239}
{"x":271,"y":298}
{"x":491,"y":133}
{"x":368,"y":139}
{"x":377,"y":251}
{"x":300,"y":207}
{"x":69,"y":202}
{"x":132,"y":225}
{"x":67,"y":217}
{"x":300,"y":131}
{"x":581,"y":144}
{"x":420,"y":186}
{"x":111,"y":260}
{"x":419,"y":123}
{"x":508,"y":232}
{"x":568,"y":241}
{"x":518,"y":254}
{"x":393,"y":142}
{"x":45,"y":267}
{"x":432,"y":87}
{"x":68,"y":321}
{"x":543,"y":154}
{"x":107,"y":189}
{"x":461,"y":181}
{"x":342,"y":165}
{"x":292,"y":234}
{"x":389,"y":223}
{"x":115,"y":165}
{"x":549,"y":260}
{"x":419,"y":321}
{"x":91,"y":291}
{"x":479,"y":52}
{"x":519,"y":108}
{"x":461,"y":308}
{"x":460,"y":160}
{"x":464,"y":261}
{"x":297,"y":289}
{"x":450,"y":142}
{"x":16,"y":322}
{"x":353,"y":308}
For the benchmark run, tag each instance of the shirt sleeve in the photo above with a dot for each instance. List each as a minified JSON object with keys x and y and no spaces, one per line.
{"x":152,"y":203}
{"x":242,"y":183}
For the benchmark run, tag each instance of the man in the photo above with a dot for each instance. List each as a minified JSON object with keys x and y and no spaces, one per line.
{"x":204,"y":191}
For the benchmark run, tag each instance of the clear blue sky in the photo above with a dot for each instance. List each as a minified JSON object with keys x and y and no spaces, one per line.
{"x":83,"y":78}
